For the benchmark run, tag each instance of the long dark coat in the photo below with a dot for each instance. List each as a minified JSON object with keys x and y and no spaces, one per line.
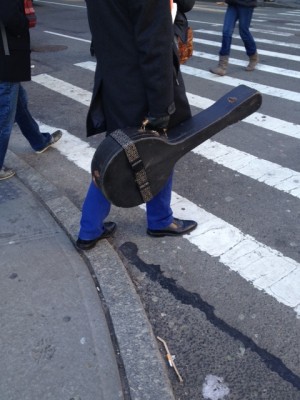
{"x":137,"y":69}
{"x":16,"y":66}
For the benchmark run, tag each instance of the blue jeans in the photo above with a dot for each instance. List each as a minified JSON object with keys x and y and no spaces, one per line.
{"x":244,"y":16}
{"x":13,"y":108}
{"x":96,"y":208}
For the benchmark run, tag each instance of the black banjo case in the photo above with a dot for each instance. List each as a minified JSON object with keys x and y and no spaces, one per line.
{"x":132,"y":165}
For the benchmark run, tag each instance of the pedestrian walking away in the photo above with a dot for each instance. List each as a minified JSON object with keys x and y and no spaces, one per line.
{"x":241,"y":11}
{"x":137,"y":77}
{"x":14,"y":69}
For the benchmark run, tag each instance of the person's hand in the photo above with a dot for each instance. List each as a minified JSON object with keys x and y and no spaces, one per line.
{"x":159,"y":124}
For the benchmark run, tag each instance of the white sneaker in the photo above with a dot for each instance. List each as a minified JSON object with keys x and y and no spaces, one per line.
{"x":6,"y":173}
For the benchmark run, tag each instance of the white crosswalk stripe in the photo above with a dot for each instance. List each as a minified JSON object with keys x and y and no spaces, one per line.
{"x":284,"y":56}
{"x":264,"y":121}
{"x":258,"y":40}
{"x":227,"y":80}
{"x":260,"y":67}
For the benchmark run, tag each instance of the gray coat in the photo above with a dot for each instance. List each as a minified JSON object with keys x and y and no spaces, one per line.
{"x":137,"y":69}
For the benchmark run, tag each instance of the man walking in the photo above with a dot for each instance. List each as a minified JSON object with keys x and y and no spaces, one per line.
{"x":14,"y":69}
{"x":137,"y":78}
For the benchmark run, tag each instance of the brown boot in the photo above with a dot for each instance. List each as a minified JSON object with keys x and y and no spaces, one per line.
{"x":222,"y":66}
{"x":253,"y":60}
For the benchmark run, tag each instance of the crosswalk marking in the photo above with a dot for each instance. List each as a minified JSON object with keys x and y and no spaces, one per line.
{"x":260,"y":67}
{"x":60,"y":4}
{"x":269,"y":173}
{"x":284,"y":56}
{"x":266,"y":268}
{"x":228,"y":80}
{"x":258,"y":30}
{"x":258,"y":40}
{"x":259,"y":21}
{"x":273,"y":33}
{"x":57,"y":85}
{"x":68,"y":36}
{"x":264,"y":121}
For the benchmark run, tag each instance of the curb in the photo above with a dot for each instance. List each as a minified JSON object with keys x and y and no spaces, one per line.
{"x":142,"y":369}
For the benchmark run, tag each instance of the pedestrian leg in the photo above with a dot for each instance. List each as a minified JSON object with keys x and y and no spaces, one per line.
{"x":28,"y":125}
{"x":94,"y":211}
{"x":8,"y":103}
{"x":159,"y":212}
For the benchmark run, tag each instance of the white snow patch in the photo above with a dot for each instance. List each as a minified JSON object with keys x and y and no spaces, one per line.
{"x":214,"y":388}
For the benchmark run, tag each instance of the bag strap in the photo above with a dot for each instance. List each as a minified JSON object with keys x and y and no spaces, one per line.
{"x":4,"y":39}
{"x":135,"y":162}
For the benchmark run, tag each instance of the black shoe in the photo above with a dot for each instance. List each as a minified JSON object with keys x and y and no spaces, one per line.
{"x":109,"y":229}
{"x":55,"y":136}
{"x":177,"y":228}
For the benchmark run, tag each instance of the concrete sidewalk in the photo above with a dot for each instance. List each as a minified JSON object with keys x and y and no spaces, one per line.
{"x":72,"y":326}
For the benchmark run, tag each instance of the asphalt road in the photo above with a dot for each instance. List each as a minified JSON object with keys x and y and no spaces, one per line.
{"x":227,"y":299}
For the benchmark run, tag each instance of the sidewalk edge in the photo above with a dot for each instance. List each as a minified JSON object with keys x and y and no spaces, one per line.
{"x":145,"y":369}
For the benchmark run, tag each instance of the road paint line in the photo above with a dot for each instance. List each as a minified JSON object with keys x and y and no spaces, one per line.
{"x":266,"y":268}
{"x":261,"y":67}
{"x":227,"y":80}
{"x":259,"y":22}
{"x":258,"y":40}
{"x":273,"y":33}
{"x":60,"y":4}
{"x":273,"y":54}
{"x":291,"y":14}
{"x":66,"y":89}
{"x":258,"y":30}
{"x":89,"y":65}
{"x":67,"y":36}
{"x":264,"y":121}
{"x":263,"y":171}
